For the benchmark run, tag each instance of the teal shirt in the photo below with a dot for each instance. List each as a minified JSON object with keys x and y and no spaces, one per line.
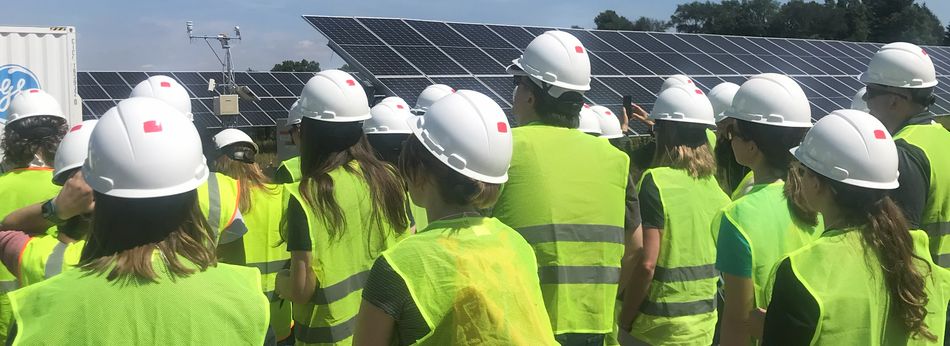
{"x":733,"y":253}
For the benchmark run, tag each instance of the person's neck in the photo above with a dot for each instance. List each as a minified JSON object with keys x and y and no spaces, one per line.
{"x":831,"y":214}
{"x":895,"y":124}
{"x":442,"y":210}
{"x":530,"y":117}
{"x":763,"y":174}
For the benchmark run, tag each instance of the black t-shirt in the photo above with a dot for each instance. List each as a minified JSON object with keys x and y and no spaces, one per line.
{"x":631,"y":219}
{"x":282,"y":176}
{"x":914,"y":179}
{"x":793,"y":313}
{"x":651,"y":207}
{"x":387,"y":290}
{"x":298,"y":229}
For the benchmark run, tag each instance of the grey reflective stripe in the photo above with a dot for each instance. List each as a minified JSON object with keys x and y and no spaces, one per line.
{"x":235,"y":231}
{"x":214,"y":203}
{"x":685,"y":273}
{"x":324,"y":335}
{"x":54,"y":263}
{"x":579,"y":275}
{"x":269,"y":267}
{"x":339,"y":290}
{"x":678,"y":309}
{"x":943,"y":260}
{"x":572,"y":233}
{"x":8,"y":286}
{"x":937,"y":229}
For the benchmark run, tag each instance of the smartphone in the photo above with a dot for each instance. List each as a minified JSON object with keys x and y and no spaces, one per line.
{"x":628,"y":104}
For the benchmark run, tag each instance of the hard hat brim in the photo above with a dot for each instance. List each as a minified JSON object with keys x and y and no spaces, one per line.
{"x":807,"y":161}
{"x":414,"y":125}
{"x":515,"y":68}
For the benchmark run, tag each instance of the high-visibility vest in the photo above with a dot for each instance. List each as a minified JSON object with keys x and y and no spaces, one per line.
{"x":222,"y":305}
{"x":845,"y":279}
{"x":219,"y":198}
{"x":680,"y":308}
{"x":934,"y":141}
{"x":292,"y":166}
{"x":565,"y":195}
{"x":744,"y":185}
{"x":262,"y":250}
{"x":764,"y":220}
{"x":419,"y":215}
{"x":342,"y":264}
{"x":19,"y":188}
{"x":474,"y":281}
{"x":46,"y":256}
{"x":711,"y":140}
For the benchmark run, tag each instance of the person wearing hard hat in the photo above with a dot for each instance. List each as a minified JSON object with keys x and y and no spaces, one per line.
{"x":219,"y":195}
{"x":900,"y":81}
{"x":34,"y":259}
{"x":867,"y":280}
{"x":262,"y":207}
{"x":735,"y":179}
{"x":150,"y":250}
{"x":348,"y":207}
{"x":289,"y":170}
{"x":588,"y":122}
{"x":34,"y":128}
{"x":430,"y":95}
{"x":386,"y":132}
{"x":465,"y":272}
{"x":679,"y":197}
{"x":565,"y":191}
{"x":756,"y":230}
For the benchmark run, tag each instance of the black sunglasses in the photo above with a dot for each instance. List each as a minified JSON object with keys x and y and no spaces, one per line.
{"x":875,"y":92}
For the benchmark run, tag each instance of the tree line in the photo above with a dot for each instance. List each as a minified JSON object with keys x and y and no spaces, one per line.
{"x":849,"y":20}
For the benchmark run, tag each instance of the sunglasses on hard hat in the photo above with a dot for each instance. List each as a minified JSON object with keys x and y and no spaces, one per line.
{"x":873,"y":92}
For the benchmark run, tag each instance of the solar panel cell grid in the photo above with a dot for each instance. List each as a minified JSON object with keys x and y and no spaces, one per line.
{"x":108,"y":78}
{"x":591,"y":42}
{"x":618,"y":41}
{"x":682,"y":64}
{"x":394,"y":32}
{"x":676,"y":43}
{"x":622,"y":63}
{"x":469,"y":83}
{"x":474,"y":60}
{"x":702,"y":44}
{"x":599,"y":68}
{"x":504,"y":87}
{"x":513,"y":34}
{"x":653,"y":63}
{"x":381,"y":60}
{"x":407,"y":88}
{"x":503,"y":56}
{"x":626,"y":86}
{"x":480,"y":35}
{"x":344,"y":30}
{"x":430,"y":60}
{"x":92,"y":92}
{"x":735,"y":63}
{"x":600,"y":94}
{"x":648,"y":42}
{"x":710,"y":64}
{"x":439,"y":34}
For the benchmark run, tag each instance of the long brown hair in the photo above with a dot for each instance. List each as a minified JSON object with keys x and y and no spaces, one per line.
{"x":416,"y":163}
{"x":327,"y":146}
{"x":884,"y":230}
{"x":249,"y":175}
{"x":127,"y":231}
{"x":683,"y":146}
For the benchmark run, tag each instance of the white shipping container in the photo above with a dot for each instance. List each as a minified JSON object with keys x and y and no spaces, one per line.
{"x":39,"y":57}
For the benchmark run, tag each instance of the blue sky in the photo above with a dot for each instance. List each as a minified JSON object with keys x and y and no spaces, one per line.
{"x":150,"y":35}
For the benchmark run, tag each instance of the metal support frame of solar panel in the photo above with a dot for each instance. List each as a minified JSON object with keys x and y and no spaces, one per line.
{"x":277,"y":91}
{"x":405,"y":55}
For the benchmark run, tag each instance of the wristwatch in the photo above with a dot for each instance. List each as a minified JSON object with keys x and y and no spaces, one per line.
{"x":49,"y":213}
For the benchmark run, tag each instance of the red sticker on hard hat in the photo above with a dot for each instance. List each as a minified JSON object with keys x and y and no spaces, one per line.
{"x":586,"y":105}
{"x":166,"y":85}
{"x":923,"y":51}
{"x":399,"y":106}
{"x":152,"y":126}
{"x":350,"y":82}
{"x":879,"y":134}
{"x":502,"y":127}
{"x":453,"y":90}
{"x":579,"y":49}
{"x":608,"y":113}
{"x":689,"y":81}
{"x":699,"y":92}
{"x":33,"y":91}
{"x":75,"y":128}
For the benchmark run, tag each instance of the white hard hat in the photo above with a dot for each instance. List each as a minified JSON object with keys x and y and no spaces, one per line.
{"x":771,"y":99}
{"x":166,"y":89}
{"x":334,"y":96}
{"x":721,"y":98}
{"x":683,"y":103}
{"x":72,"y":150}
{"x":398,"y":101}
{"x":431,"y":94}
{"x":588,"y":121}
{"x":556,"y":58}
{"x":852,"y":147}
{"x":31,"y":103}
{"x":388,"y":117}
{"x":230,"y":136}
{"x":901,"y":65}
{"x":677,"y":79}
{"x":468,"y":132}
{"x":294,"y":115}
{"x":144,"y":148}
{"x":609,"y":124}
{"x":857,"y":103}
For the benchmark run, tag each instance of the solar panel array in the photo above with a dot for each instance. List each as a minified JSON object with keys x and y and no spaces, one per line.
{"x":406,"y":55}
{"x":101,"y":91}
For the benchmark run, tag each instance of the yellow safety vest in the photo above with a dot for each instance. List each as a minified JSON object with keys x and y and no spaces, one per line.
{"x":45,"y":256}
{"x":262,"y":250}
{"x":565,"y":194}
{"x":934,"y":141}
{"x":341,"y":265}
{"x":219,"y":198}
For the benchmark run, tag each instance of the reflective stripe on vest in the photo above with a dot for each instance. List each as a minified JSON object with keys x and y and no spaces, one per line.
{"x":341,"y":264}
{"x":487,"y":290}
{"x":54,"y":265}
{"x":680,"y":305}
{"x":214,"y":203}
{"x":218,"y":198}
{"x":932,"y":139}
{"x":565,"y":195}
{"x":854,"y":303}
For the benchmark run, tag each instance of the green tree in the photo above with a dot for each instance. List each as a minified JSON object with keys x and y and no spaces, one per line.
{"x":946,"y":36}
{"x":347,"y":68}
{"x":903,"y":20}
{"x":651,"y":24}
{"x":833,"y":20}
{"x":610,"y":20}
{"x":729,"y":17}
{"x":297,"y":66}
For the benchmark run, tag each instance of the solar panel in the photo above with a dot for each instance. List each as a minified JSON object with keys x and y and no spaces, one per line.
{"x":405,"y":55}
